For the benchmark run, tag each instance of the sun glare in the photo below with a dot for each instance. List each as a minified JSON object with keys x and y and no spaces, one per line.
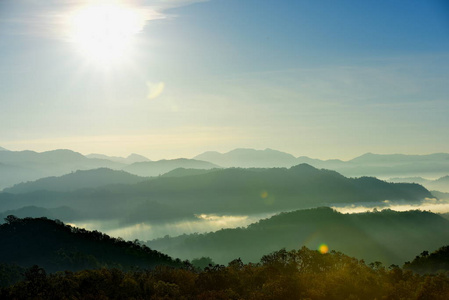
{"x":104,"y":32}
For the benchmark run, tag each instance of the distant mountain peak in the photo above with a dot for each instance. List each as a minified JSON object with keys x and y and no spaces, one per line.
{"x":248,"y":158}
{"x":137,"y":157}
{"x":3,"y":149}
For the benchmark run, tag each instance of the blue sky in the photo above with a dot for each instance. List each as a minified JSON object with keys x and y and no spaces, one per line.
{"x":326,"y":79}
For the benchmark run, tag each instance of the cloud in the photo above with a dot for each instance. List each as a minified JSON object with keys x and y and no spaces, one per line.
{"x":155,"y":89}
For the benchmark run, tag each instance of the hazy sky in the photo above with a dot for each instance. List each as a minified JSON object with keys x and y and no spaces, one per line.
{"x":326,"y":79}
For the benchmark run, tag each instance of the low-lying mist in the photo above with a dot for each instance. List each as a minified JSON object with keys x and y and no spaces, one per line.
{"x":148,"y":231}
{"x":432,"y":205}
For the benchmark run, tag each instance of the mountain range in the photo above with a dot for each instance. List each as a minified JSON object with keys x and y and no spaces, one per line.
{"x":76,"y":181}
{"x":369,"y":164}
{"x":232,"y":191}
{"x":22,"y":166}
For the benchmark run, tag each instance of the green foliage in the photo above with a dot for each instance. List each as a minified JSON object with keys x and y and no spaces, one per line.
{"x":202,"y":263}
{"x":295,"y":274}
{"x":437,"y":261}
{"x":57,"y":247}
{"x":387,"y":236}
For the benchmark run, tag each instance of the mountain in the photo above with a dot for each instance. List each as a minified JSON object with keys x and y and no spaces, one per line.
{"x":441,"y":184}
{"x":276,"y":189}
{"x":222,"y":191}
{"x":58,"y":247}
{"x":369,"y":164}
{"x":249,"y":158}
{"x":132,"y":158}
{"x":156,"y":168}
{"x":386,"y":236}
{"x":77,"y":180}
{"x":21,"y":166}
{"x":389,"y":165}
{"x":182,"y":172}
{"x":3,"y":149}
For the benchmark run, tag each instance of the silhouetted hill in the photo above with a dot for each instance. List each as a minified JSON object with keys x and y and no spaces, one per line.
{"x":29,"y":165}
{"x":389,"y":165}
{"x":437,"y":261}
{"x":222,"y":191}
{"x":132,"y":158}
{"x":441,"y":184}
{"x":386,"y":236}
{"x":248,"y":158}
{"x":63,"y":212}
{"x":368,"y":164}
{"x":58,"y":247}
{"x":156,"y":168}
{"x":441,"y":195}
{"x":277,"y":189}
{"x":77,"y":180}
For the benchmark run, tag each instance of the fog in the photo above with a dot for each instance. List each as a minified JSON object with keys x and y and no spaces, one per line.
{"x":433,"y":205}
{"x":148,"y":231}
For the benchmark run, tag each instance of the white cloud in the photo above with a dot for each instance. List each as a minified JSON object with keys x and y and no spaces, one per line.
{"x":155,"y":89}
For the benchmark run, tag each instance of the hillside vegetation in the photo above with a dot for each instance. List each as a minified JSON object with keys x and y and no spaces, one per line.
{"x":58,"y":247}
{"x":387,"y":236}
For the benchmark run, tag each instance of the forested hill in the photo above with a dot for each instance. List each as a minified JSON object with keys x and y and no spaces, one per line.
{"x":237,"y":190}
{"x":387,"y":236}
{"x":58,"y":247}
{"x":80,"y":179}
{"x":228,"y":191}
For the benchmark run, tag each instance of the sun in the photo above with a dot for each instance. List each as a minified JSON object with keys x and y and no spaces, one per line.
{"x":104,"y":32}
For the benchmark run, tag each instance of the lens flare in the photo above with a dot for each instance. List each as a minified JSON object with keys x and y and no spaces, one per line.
{"x":323,"y":248}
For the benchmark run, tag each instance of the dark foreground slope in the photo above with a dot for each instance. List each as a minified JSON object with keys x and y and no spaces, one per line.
{"x":386,"y":236}
{"x":286,"y":275}
{"x":57,"y":247}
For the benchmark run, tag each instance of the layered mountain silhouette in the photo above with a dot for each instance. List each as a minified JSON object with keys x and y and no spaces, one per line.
{"x":77,"y":180}
{"x":441,"y":184}
{"x":222,"y":191}
{"x":22,"y":166}
{"x":156,"y":168}
{"x":248,"y":158}
{"x":386,"y":236}
{"x":130,"y":159}
{"x":369,"y":164}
